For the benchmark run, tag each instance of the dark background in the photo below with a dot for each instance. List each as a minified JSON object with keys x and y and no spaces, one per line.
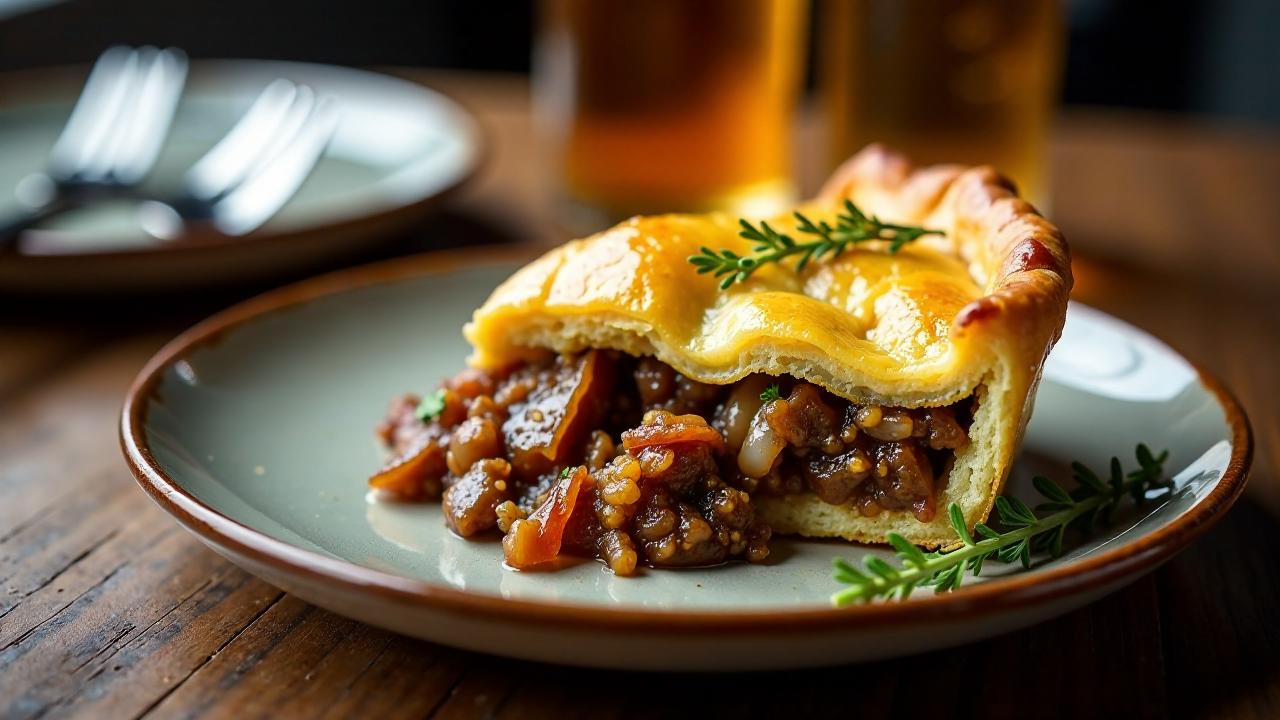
{"x":1214,"y":57}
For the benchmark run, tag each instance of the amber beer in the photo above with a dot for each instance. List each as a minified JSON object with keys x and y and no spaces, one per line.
{"x":670,"y":105}
{"x":965,"y":81}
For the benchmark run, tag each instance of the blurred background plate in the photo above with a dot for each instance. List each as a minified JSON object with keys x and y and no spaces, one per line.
{"x":399,"y":147}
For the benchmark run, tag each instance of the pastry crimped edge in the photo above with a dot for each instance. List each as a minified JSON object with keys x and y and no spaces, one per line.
{"x":1024,"y":264}
{"x":1019,"y":259}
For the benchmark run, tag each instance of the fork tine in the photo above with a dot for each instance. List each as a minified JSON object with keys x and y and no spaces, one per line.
{"x":93,"y":113}
{"x":146,"y":126}
{"x":276,"y":180}
{"x":117,"y":137}
{"x":295,"y":118}
{"x":231,"y":159}
{"x":102,"y":144}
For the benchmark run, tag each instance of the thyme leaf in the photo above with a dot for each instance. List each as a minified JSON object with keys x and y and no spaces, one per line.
{"x":430,"y":406}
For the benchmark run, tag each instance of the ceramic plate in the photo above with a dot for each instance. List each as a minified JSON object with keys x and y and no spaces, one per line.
{"x":254,"y":430}
{"x":398,"y":147}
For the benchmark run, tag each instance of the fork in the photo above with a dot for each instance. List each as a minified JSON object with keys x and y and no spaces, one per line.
{"x":254,"y":170}
{"x":112,"y":138}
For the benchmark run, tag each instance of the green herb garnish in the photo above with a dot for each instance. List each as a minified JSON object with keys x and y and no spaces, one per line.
{"x":852,"y":227}
{"x":566,"y":472}
{"x":771,"y":393}
{"x":1094,"y":501}
{"x":431,"y":406}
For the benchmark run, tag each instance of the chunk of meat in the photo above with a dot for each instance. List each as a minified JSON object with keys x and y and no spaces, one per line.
{"x":415,"y":472}
{"x":655,"y":381}
{"x":662,"y":388}
{"x":418,"y":453}
{"x":470,"y":504}
{"x":687,"y":516}
{"x":474,"y":439}
{"x":805,"y":419}
{"x":707,"y":528}
{"x":903,"y":478}
{"x":400,"y":426}
{"x":453,"y":410}
{"x":600,"y":450}
{"x":836,"y":478}
{"x":472,"y":383}
{"x":944,"y":430}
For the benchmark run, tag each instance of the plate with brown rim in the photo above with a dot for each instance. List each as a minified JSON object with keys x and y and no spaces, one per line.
{"x":398,"y":149}
{"x":253,"y":429}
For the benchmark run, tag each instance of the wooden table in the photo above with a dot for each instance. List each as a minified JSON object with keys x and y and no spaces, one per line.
{"x":109,"y":609}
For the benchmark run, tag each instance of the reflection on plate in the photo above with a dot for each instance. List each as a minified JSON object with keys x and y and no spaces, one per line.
{"x":1113,"y":359}
{"x":298,"y":377}
{"x":397,"y":147}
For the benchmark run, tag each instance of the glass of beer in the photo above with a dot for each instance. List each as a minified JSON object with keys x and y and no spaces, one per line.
{"x":669,"y":105}
{"x":946,"y":81}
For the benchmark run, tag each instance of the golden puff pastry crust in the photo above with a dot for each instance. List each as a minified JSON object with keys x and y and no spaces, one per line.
{"x":973,"y":312}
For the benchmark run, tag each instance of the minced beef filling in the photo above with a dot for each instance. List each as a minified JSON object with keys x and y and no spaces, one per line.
{"x":624,"y":459}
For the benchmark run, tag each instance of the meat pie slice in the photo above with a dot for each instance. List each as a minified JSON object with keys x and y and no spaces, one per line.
{"x":645,"y":415}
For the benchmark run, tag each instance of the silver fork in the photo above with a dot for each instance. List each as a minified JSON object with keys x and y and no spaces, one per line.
{"x":255,"y":169}
{"x":112,"y":138}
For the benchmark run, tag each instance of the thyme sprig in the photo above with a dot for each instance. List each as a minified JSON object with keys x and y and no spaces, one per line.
{"x":1092,"y":502}
{"x":430,"y":406}
{"x":770,"y":246}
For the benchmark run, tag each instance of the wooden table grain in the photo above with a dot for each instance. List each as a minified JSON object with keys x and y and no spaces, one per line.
{"x":109,"y":609}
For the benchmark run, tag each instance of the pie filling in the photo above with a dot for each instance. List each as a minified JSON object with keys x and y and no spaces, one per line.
{"x":603,"y":455}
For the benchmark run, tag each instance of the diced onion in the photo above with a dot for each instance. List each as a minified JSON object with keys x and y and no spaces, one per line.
{"x":761,"y":447}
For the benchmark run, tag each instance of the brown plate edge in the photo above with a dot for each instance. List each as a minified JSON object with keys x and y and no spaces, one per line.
{"x":991,"y":597}
{"x":383,"y":220}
